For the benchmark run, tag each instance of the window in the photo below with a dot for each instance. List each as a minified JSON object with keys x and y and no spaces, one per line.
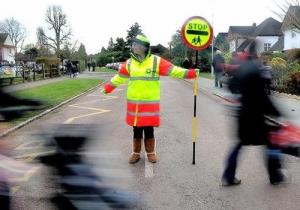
{"x":267,"y":47}
{"x":293,"y":34}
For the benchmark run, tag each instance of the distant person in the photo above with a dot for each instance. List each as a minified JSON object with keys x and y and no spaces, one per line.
{"x":252,"y":126}
{"x":218,"y":65}
{"x":69,"y":67}
{"x":187,"y":63}
{"x":89,"y":66}
{"x":143,"y":71}
{"x":75,"y":71}
{"x":266,"y":72}
{"x":94,"y":66}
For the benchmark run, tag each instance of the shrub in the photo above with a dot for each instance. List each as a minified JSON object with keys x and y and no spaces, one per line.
{"x":279,"y":55}
{"x":293,"y":55}
{"x":294,"y":67}
{"x":280,"y":73}
{"x":293,"y":84}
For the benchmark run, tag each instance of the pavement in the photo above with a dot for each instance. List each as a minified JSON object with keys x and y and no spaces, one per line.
{"x":289,"y":105}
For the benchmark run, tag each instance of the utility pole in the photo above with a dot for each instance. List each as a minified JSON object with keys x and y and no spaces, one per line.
{"x":212,"y":48}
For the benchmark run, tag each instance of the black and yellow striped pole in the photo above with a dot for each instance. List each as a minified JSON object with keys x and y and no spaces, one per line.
{"x":194,"y":121}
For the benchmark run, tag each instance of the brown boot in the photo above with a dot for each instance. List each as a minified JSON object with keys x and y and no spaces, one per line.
{"x":135,"y":155}
{"x":150,"y":149}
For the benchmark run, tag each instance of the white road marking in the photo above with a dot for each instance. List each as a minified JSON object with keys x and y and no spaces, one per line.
{"x":86,"y":115}
{"x":26,"y":145}
{"x":148,"y":168}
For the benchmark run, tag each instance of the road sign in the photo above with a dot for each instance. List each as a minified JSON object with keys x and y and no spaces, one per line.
{"x":197,"y":33}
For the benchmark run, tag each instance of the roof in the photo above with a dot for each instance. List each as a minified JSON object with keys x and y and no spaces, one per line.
{"x":279,"y":45}
{"x":269,"y":27}
{"x":223,"y":35}
{"x":292,"y":16}
{"x":3,"y":37}
{"x":242,"y":30}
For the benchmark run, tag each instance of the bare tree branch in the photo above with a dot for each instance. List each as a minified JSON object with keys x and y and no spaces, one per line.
{"x":289,"y":13}
{"x":16,"y":32}
{"x":57,"y":23}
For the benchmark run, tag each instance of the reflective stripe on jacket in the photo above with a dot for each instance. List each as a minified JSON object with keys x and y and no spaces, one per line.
{"x":143,"y":91}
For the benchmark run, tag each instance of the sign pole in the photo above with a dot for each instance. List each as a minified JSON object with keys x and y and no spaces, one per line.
{"x":194,"y":122}
{"x":197,"y":34}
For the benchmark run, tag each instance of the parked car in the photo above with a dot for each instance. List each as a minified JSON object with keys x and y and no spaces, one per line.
{"x":114,"y":66}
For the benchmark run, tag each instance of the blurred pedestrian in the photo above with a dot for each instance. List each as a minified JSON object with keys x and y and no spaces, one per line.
{"x":89,"y":66}
{"x":142,"y":71}
{"x":218,"y":64}
{"x":69,"y":67}
{"x":252,"y":126}
{"x":94,"y":65}
{"x":267,"y":76}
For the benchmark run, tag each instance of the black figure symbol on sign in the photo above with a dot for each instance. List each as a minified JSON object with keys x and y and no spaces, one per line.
{"x":196,"y":40}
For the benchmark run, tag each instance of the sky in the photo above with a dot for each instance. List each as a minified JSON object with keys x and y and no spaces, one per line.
{"x":94,"y":22}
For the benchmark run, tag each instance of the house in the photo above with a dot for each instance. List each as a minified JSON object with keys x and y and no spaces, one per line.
{"x":7,"y":49}
{"x":266,"y":34}
{"x":290,"y":28}
{"x":237,"y":35}
{"x":270,"y":35}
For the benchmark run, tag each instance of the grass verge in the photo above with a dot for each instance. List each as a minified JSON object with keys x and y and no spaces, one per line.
{"x":53,"y":94}
{"x":105,"y":70}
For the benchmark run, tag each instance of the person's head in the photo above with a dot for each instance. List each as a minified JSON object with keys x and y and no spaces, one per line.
{"x":140,"y":45}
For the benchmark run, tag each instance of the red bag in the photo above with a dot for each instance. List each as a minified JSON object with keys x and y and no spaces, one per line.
{"x":286,"y":136}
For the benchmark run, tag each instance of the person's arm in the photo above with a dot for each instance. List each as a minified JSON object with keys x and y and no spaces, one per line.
{"x":166,"y":68}
{"x":118,"y":79}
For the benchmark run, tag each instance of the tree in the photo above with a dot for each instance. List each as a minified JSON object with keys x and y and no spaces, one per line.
{"x":119,"y":45}
{"x":58,"y":25}
{"x":134,"y":30}
{"x":289,"y":12}
{"x":16,"y":32}
{"x":80,"y":54}
{"x":31,"y":53}
{"x":178,"y":49}
{"x":221,"y":42}
{"x":111,"y":44}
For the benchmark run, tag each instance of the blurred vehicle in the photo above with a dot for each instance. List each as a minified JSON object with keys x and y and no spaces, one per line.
{"x":80,"y":188}
{"x":7,"y":71}
{"x":114,"y":66}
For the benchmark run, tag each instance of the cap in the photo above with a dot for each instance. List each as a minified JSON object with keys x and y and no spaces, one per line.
{"x":142,"y":40}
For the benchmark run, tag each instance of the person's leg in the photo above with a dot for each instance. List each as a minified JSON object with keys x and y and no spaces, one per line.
{"x":219,"y":79}
{"x":228,"y":177}
{"x":273,"y":157}
{"x":150,"y":144}
{"x":216,"y":79}
{"x":136,"y":145}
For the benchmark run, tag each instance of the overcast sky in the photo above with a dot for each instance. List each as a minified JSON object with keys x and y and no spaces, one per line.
{"x":93,"y":22}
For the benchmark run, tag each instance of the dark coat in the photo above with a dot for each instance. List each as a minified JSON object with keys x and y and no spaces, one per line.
{"x":255,"y":104}
{"x":218,"y":60}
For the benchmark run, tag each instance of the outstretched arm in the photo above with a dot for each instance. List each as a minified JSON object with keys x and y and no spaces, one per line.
{"x":117,"y":80}
{"x":166,"y":68}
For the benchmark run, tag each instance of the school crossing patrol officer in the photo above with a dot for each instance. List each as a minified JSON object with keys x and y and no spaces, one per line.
{"x":143,"y":71}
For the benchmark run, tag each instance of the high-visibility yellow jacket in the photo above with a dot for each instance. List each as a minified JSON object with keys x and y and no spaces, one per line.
{"x":143,"y":91}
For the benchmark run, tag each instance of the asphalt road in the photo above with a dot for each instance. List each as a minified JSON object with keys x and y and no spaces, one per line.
{"x":173,"y":182}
